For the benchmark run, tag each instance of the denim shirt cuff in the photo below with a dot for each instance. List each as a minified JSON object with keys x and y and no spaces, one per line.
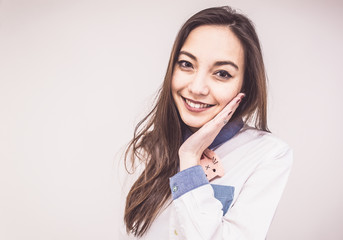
{"x":187,"y":180}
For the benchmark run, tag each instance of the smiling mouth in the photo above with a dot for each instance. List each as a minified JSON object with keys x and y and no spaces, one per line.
{"x":196,"y":105}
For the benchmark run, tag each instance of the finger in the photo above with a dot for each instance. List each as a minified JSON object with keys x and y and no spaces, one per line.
{"x":211,"y":129}
{"x":234,"y":103}
{"x":231,"y":106}
{"x":224,"y":116}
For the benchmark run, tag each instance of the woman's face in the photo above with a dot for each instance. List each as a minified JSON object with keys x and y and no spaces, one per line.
{"x":208,"y":74}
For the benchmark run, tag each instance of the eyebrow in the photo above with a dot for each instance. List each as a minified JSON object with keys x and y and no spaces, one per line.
{"x":218,"y":63}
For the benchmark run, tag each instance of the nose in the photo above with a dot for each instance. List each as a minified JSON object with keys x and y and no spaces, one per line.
{"x":198,"y":85}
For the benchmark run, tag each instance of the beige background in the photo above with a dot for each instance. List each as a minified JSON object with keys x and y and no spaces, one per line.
{"x":76,"y":75}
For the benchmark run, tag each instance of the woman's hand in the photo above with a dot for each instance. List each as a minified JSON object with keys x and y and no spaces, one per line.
{"x":191,"y":150}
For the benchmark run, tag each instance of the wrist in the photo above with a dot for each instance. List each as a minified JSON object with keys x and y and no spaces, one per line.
{"x":184,"y":166}
{"x":187,"y":161}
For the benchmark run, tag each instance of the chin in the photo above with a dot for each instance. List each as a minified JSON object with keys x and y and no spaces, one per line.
{"x":193,"y":124}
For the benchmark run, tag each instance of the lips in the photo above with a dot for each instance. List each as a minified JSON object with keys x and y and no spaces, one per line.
{"x":196,"y":106}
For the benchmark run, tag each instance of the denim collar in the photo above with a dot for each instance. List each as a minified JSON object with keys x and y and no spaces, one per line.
{"x":226,"y":133}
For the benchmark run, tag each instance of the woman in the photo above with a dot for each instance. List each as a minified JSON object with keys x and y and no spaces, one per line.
{"x":207,"y":174}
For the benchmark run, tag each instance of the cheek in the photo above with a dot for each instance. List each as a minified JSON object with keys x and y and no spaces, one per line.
{"x":174,"y":86}
{"x":177,"y":82}
{"x":175,"y":89}
{"x":225,"y":94}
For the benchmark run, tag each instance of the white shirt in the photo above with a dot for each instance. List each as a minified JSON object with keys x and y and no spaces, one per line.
{"x":257,"y":165}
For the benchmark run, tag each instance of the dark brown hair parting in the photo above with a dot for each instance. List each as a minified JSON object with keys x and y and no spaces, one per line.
{"x":158,"y":136}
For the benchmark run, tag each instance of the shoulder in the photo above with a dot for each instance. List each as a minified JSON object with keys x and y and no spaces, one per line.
{"x":267,"y":144}
{"x":263,"y":138}
{"x":258,"y":144}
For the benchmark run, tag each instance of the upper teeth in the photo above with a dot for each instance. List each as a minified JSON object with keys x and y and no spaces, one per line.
{"x":197,"y":105}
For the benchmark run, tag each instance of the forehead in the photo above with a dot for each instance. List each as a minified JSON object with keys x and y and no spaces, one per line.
{"x":214,"y":43}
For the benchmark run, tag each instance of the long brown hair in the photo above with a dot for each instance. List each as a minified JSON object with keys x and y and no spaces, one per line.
{"x":158,"y":136}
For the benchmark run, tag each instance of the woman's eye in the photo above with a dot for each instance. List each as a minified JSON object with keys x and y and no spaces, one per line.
{"x":185,"y":64}
{"x":223,"y":74}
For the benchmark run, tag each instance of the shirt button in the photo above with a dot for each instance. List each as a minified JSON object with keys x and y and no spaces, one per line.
{"x":175,"y":188}
{"x":175,"y":232}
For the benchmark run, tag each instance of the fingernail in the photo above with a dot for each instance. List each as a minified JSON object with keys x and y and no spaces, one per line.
{"x":243,"y":96}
